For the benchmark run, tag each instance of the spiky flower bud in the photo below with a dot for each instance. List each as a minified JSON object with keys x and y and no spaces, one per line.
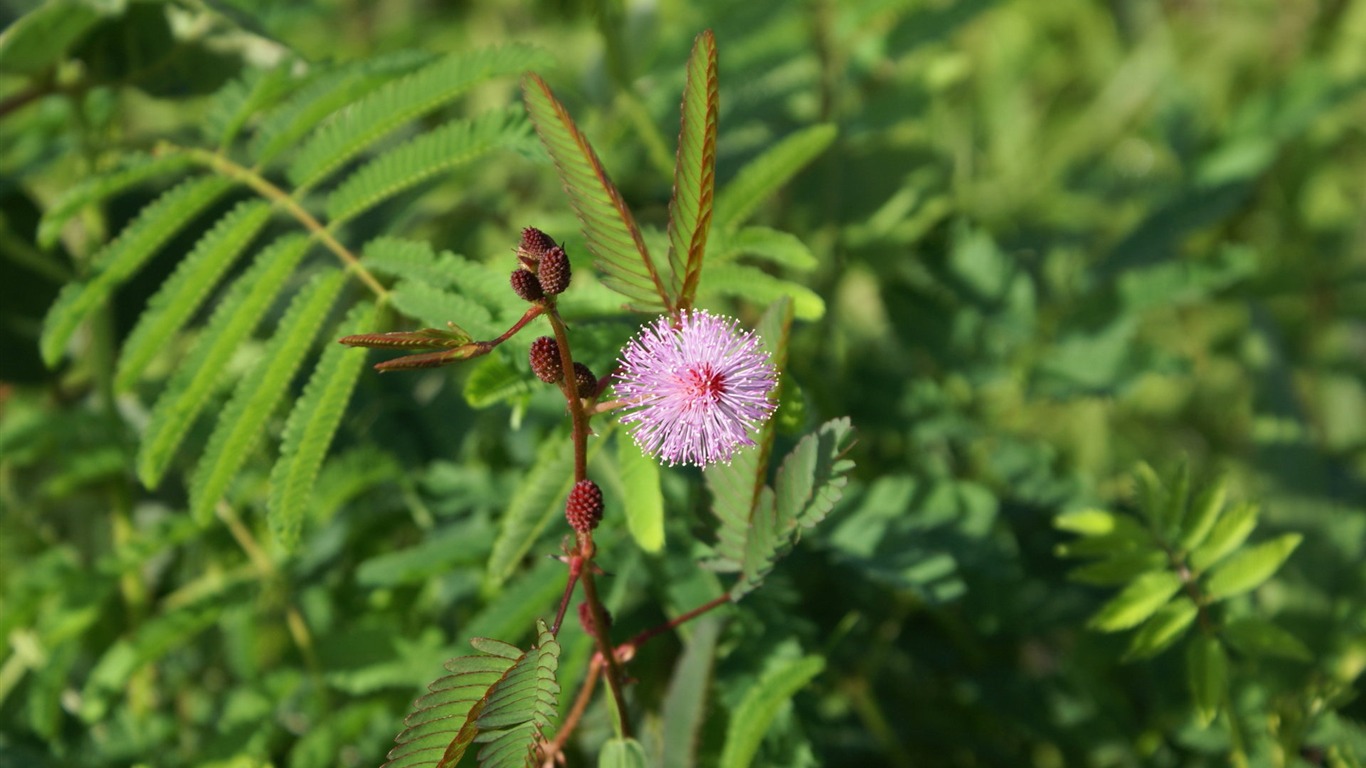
{"x":526,"y":285}
{"x":585,"y":381}
{"x":554,"y":271}
{"x":534,"y":245}
{"x":583,"y":510}
{"x":545,"y":360}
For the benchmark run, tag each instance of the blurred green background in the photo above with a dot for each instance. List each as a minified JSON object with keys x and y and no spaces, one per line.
{"x":1051,"y":239}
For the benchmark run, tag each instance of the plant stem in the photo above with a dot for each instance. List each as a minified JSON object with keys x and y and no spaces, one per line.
{"x":571,"y":721}
{"x":586,"y":548}
{"x":677,"y":621}
{"x":263,"y":186}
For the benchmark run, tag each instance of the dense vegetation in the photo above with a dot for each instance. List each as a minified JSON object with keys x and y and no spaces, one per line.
{"x":1088,"y":281}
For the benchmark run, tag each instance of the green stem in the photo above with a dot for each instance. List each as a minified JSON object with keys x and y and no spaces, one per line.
{"x":263,"y":187}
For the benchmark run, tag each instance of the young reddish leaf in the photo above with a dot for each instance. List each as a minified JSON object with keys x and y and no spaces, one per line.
{"x":607,"y":223}
{"x":694,"y":170}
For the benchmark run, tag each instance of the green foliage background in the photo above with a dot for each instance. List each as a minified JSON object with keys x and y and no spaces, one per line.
{"x":1038,"y":243}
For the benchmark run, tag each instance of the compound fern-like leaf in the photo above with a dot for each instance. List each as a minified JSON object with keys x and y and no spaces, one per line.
{"x":187,"y":287}
{"x":311,"y":426}
{"x":607,"y":223}
{"x":132,"y":169}
{"x":432,"y":153}
{"x":329,"y":91}
{"x":694,"y":171}
{"x":503,"y":699}
{"x":258,"y":393}
{"x":766,"y":173}
{"x":123,"y":257}
{"x":201,"y":374}
{"x":738,"y":488}
{"x":394,"y":104}
{"x":236,"y":102}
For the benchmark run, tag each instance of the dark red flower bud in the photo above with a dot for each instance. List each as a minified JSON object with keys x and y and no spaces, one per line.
{"x":534,"y":245}
{"x":554,"y":271}
{"x":526,"y":285}
{"x":583,"y":510}
{"x":585,"y":381}
{"x":545,"y":360}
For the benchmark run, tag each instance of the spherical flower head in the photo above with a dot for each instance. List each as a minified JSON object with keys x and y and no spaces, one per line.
{"x":697,"y":388}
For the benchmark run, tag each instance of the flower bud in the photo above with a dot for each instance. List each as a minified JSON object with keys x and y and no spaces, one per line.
{"x":584,"y":380}
{"x":586,"y":618}
{"x":545,"y":360}
{"x":534,"y":245}
{"x":554,"y":271}
{"x":583,"y":510}
{"x":526,"y":285}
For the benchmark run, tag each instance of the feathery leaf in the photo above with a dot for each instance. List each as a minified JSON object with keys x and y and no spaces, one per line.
{"x":778,"y":248}
{"x":694,"y":171}
{"x":607,"y":223}
{"x":239,"y":99}
{"x":324,"y":94}
{"x":756,"y":285}
{"x":232,"y":321}
{"x":132,"y":169}
{"x":503,"y":699}
{"x":761,"y":705}
{"x":421,"y":158}
{"x":763,"y":175}
{"x":311,"y":426}
{"x":533,"y":505}
{"x":187,"y":287}
{"x":120,"y":259}
{"x":258,"y":393}
{"x":394,"y":104}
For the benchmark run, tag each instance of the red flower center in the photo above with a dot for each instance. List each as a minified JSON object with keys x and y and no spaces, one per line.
{"x":703,"y":382}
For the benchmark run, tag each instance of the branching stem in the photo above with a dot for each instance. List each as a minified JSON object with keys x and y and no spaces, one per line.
{"x":265,"y":188}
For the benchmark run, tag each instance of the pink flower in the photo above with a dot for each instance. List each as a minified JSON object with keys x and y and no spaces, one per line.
{"x":697,"y":388}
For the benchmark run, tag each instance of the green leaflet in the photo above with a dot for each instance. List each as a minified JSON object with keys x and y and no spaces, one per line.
{"x":431,"y":153}
{"x":502,"y":699}
{"x":1136,"y":602}
{"x":535,"y":504}
{"x":236,"y":102}
{"x":1162,"y":629}
{"x":39,"y":39}
{"x":202,"y":373}
{"x":607,"y":223}
{"x":1207,"y":676}
{"x":325,"y":94}
{"x":311,"y":426}
{"x":412,"y":260}
{"x":685,"y":702}
{"x":187,"y":287}
{"x":642,"y":495}
{"x":132,"y":169}
{"x":761,"y":705}
{"x":694,"y":171}
{"x":738,"y":200}
{"x":756,"y":285}
{"x":258,"y":393}
{"x":1229,"y":533}
{"x":1249,"y":568}
{"x":781,"y":249}
{"x":809,"y":482}
{"x":736,"y":487}
{"x":120,"y":259}
{"x":394,"y":104}
{"x":493,"y":381}
{"x":622,"y":753}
